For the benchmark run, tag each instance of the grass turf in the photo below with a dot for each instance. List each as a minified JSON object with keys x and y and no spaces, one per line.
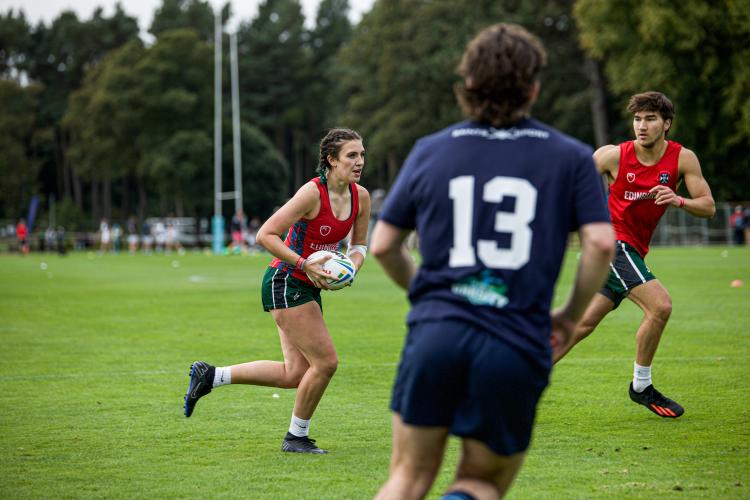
{"x":97,"y":350}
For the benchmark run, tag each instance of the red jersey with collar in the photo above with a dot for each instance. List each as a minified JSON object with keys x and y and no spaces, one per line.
{"x":631,"y":206}
{"x":324,"y":232}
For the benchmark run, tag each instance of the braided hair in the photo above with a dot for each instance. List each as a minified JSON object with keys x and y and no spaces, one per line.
{"x":331,"y":145}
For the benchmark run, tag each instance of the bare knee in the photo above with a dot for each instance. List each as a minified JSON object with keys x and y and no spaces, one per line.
{"x":410,"y":480}
{"x":485,"y":475}
{"x":292,"y":378}
{"x":327,"y":366}
{"x":661,"y":310}
{"x":481,"y":473}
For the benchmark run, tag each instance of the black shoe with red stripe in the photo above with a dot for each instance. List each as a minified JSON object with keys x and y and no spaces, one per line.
{"x":656,"y":402}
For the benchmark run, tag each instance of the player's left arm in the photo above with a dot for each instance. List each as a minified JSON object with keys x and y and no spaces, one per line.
{"x":358,"y":242}
{"x":701,"y":202}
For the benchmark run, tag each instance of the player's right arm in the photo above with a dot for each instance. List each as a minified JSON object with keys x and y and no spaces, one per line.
{"x":607,"y":160}
{"x":387,"y":245}
{"x":304,"y":204}
{"x":597,"y":250}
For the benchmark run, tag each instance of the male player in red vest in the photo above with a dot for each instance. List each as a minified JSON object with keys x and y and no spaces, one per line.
{"x":643,"y":175}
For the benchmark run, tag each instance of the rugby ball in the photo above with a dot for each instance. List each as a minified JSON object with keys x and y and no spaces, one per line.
{"x":339,"y":265}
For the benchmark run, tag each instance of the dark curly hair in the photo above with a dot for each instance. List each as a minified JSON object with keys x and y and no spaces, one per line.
{"x":331,"y":145}
{"x":652,"y":101}
{"x":499,"y":68}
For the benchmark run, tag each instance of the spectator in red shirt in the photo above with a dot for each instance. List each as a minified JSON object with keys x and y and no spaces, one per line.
{"x":22,"y":234}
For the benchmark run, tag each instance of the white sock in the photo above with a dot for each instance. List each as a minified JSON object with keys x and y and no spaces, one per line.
{"x":641,"y":377}
{"x":222,"y":376}
{"x":299,"y":427}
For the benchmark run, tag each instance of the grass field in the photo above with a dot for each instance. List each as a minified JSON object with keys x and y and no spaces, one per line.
{"x":97,"y":350}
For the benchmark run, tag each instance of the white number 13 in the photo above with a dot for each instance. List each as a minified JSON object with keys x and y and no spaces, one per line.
{"x":461,"y":191}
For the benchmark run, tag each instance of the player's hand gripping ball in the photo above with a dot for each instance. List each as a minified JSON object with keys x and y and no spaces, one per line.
{"x":340,"y":267}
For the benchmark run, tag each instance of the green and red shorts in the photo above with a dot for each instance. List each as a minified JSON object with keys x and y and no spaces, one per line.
{"x":281,"y":290}
{"x":627,"y":271}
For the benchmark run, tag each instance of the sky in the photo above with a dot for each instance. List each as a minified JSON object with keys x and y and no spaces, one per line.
{"x":243,"y":10}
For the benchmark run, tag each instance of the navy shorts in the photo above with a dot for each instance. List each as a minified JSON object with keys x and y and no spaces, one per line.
{"x":457,"y":375}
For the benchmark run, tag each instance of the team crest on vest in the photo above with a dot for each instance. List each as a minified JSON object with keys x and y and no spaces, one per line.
{"x":663,"y":177}
{"x":631,"y":177}
{"x":324,"y":230}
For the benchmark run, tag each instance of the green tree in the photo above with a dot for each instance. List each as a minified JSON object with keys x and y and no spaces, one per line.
{"x":196,"y":15}
{"x":274,"y":70}
{"x":696,"y":52}
{"x":18,"y":168}
{"x":400,"y":70}
{"x":321,"y":105}
{"x":175,"y":96}
{"x":103,"y":119}
{"x":61,"y":55}
{"x":265,"y":173}
{"x":399,"y":75}
{"x":15,"y":44}
{"x":331,"y":32}
{"x":144,"y":118}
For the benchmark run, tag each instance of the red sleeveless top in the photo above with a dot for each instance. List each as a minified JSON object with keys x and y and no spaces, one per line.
{"x":324,"y":232}
{"x":631,"y":206}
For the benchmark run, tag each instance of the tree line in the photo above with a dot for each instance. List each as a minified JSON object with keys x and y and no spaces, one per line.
{"x":111,"y":126}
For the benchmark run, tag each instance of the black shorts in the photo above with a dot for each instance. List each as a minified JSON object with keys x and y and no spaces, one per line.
{"x":456,"y":375}
{"x":627,"y":271}
{"x":281,"y":290}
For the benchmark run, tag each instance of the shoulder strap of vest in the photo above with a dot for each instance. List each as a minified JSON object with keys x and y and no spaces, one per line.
{"x":325,"y":202}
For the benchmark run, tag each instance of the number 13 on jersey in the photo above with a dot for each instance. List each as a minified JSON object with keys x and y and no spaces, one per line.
{"x":463,"y":253}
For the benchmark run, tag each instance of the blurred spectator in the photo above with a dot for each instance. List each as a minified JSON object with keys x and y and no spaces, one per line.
{"x":81,"y":241}
{"x":252,"y":232}
{"x":746,"y":224}
{"x":50,"y":239}
{"x":105,"y":236}
{"x":172,"y":237}
{"x":160,"y":236}
{"x":132,"y":229}
{"x":738,"y":222}
{"x":238,"y":231}
{"x":147,"y":238}
{"x":116,"y":237}
{"x":22,"y":235}
{"x":60,"y":238}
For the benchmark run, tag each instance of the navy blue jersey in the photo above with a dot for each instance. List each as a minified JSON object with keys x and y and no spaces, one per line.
{"x":493,"y":209}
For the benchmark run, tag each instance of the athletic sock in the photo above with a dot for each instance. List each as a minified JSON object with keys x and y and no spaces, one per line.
{"x":641,"y":377}
{"x":299,"y":427}
{"x":222,"y":375}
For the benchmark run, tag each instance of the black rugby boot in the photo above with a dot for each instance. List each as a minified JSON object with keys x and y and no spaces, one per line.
{"x":201,"y":381}
{"x":656,"y":402}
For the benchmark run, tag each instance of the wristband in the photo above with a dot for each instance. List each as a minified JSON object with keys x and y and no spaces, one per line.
{"x":682,"y":201}
{"x":300,"y":263}
{"x":360,"y":249}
